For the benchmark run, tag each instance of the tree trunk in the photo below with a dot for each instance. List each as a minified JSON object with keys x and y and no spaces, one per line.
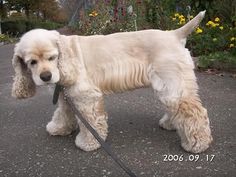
{"x":2,"y":9}
{"x":27,"y":13}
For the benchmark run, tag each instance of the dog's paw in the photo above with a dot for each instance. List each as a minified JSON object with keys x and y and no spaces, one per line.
{"x":165,"y":123}
{"x":58,"y":129}
{"x":85,"y":143}
{"x":198,"y":145}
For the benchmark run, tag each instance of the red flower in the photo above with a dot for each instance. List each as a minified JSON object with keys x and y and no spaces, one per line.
{"x":139,"y":1}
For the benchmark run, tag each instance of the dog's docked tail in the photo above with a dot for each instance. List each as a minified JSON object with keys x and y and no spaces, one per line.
{"x":185,"y":30}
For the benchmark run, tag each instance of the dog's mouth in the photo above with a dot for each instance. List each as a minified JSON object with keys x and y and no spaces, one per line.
{"x":48,"y":83}
{"x":52,"y":81}
{"x":44,"y":83}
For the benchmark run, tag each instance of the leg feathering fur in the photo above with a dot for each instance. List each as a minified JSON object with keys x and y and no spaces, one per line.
{"x":177,"y":90}
{"x":63,"y":121}
{"x":93,"y":111}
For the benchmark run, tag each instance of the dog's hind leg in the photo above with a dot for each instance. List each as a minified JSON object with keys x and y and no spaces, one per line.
{"x":63,"y":121}
{"x":176,"y":87}
{"x":159,"y":87}
{"x":165,"y":122}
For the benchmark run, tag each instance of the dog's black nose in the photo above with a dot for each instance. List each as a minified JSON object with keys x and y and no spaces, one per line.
{"x":46,"y":76}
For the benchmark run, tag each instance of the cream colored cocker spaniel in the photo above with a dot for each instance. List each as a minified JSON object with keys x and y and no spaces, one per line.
{"x":91,"y":66}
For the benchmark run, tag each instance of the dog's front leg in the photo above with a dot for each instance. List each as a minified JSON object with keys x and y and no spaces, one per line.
{"x":91,"y":108}
{"x":63,"y":121}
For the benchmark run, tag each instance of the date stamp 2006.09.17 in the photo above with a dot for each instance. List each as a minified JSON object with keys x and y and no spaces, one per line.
{"x":188,"y":158}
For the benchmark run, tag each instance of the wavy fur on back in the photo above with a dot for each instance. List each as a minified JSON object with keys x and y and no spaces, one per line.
{"x":120,"y":76}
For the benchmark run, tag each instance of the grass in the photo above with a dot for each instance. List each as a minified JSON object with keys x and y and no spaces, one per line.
{"x":222,"y":60}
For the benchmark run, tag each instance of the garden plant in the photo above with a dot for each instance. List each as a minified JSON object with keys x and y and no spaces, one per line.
{"x":213,"y":43}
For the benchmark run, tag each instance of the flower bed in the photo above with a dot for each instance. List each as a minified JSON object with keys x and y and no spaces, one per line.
{"x":214,"y":41}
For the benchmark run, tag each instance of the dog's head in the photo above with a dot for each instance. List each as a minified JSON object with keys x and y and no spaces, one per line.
{"x":36,"y":61}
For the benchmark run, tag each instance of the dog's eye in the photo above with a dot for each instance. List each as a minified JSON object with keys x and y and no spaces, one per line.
{"x":52,"y":58}
{"x":33,"y":62}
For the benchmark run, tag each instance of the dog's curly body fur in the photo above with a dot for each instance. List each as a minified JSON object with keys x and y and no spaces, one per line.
{"x":92,"y":66}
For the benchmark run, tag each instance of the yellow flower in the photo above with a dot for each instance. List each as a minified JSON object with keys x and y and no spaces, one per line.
{"x":173,"y":19}
{"x":217,"y":19}
{"x":214,"y":39}
{"x":93,"y":14}
{"x":176,"y":14}
{"x":231,"y":45}
{"x":221,"y":27}
{"x":213,"y":25}
{"x":232,"y":38}
{"x":209,"y":23}
{"x":182,"y":21}
{"x":199,"y":30}
{"x":181,"y":16}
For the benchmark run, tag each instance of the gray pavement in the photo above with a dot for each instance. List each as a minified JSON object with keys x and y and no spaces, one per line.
{"x":27,"y":150}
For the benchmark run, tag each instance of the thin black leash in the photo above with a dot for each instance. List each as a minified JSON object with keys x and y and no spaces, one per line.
{"x":104,"y":145}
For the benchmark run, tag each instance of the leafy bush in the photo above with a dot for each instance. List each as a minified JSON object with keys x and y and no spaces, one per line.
{"x":99,"y":20}
{"x":14,"y":28}
{"x":213,"y":41}
{"x":211,"y":37}
{"x":113,"y":16}
{"x":6,"y":38}
{"x":17,"y":27}
{"x":223,"y":60}
{"x":44,"y":24}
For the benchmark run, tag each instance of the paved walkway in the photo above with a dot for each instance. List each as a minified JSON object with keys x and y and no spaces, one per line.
{"x":27,"y":150}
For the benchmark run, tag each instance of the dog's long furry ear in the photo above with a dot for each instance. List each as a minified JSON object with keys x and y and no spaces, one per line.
{"x":23,"y":85}
{"x":66,"y":63}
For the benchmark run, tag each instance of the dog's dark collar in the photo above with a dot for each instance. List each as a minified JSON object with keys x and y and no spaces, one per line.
{"x":58,"y":89}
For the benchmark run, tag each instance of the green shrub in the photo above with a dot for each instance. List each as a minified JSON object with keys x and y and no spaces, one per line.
{"x":223,"y":60}
{"x":214,"y":36}
{"x":214,"y":42}
{"x":17,"y":27}
{"x":14,"y":28}
{"x":100,"y":21}
{"x":6,"y":38}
